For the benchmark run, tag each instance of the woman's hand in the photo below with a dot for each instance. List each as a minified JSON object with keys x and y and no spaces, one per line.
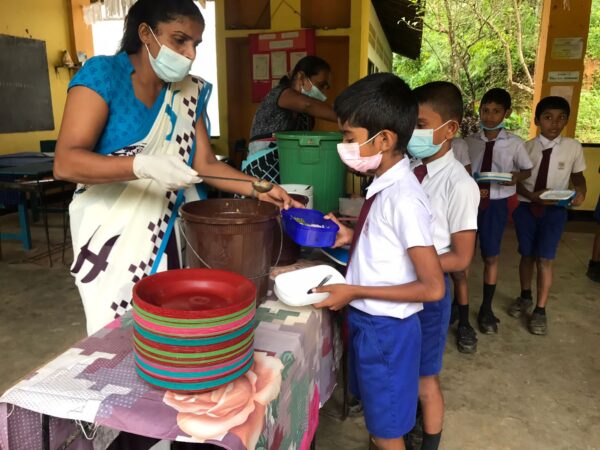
{"x":169,"y":171}
{"x":344,"y":235}
{"x":278,"y":196}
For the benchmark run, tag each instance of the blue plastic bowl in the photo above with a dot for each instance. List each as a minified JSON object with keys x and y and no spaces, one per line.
{"x":307,"y":236}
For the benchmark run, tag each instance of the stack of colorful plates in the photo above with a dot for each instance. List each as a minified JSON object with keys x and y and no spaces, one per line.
{"x":193,"y":328}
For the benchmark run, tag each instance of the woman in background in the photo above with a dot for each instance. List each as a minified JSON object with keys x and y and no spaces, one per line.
{"x":292,"y":105}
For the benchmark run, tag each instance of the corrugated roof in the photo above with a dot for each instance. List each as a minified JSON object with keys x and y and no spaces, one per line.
{"x":404,"y":40}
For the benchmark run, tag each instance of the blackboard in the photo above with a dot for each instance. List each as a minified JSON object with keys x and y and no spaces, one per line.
{"x":25,"y":102}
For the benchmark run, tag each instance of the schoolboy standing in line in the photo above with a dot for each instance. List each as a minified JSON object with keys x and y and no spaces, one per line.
{"x":466,"y":338}
{"x":539,"y":224}
{"x":454,"y":198}
{"x":494,"y":149}
{"x":393,"y":265}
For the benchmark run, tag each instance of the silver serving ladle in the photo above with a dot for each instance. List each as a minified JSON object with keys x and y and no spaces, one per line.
{"x":261,"y":186}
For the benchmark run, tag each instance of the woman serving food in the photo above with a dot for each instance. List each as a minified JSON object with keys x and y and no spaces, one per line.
{"x":133,"y":138}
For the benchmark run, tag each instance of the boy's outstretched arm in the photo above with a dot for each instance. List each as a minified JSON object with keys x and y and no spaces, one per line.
{"x":429,"y":285}
{"x":580,"y":186}
{"x":461,"y":252}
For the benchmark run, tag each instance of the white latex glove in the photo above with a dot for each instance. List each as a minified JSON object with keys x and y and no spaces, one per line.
{"x":169,"y":171}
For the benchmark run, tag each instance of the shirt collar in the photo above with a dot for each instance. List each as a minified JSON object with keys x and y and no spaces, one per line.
{"x":435,"y":166}
{"x":393,"y":174}
{"x":502,"y":135}
{"x":547,"y":143}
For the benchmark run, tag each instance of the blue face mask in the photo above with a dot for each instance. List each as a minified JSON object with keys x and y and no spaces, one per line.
{"x":497,"y":127}
{"x":421,"y":143}
{"x":314,"y":92}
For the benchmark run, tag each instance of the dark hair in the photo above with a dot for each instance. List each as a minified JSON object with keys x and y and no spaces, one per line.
{"x":497,"y":95}
{"x":443,"y":97}
{"x":152,"y":12}
{"x":380,"y":101}
{"x":552,"y":102}
{"x":310,"y":65}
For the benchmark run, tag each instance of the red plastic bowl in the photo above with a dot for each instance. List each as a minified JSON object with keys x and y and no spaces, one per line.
{"x":194,"y":293}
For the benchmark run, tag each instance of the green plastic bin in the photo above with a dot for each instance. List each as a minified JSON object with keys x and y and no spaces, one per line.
{"x":311,"y":157}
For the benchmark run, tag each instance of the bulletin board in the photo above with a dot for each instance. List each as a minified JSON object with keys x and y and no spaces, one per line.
{"x":24,"y":85}
{"x":275,"y":55}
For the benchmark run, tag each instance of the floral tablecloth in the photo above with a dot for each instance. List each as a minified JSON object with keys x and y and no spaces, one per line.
{"x":273,"y":406}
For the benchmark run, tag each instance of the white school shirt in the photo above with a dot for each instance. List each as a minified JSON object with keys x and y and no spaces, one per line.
{"x":461,"y":151}
{"x":399,"y":218}
{"x":566,"y":158}
{"x":509,"y":156}
{"x":454,"y":198}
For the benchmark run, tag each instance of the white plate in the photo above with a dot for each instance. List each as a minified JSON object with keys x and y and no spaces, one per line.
{"x":494,"y":176}
{"x":292,"y":287}
{"x":557,"y":195}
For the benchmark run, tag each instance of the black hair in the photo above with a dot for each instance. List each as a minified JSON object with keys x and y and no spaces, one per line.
{"x":310,"y":65}
{"x":443,"y":97}
{"x":152,"y":12}
{"x":552,"y":102}
{"x":497,"y":95}
{"x":380,"y":101}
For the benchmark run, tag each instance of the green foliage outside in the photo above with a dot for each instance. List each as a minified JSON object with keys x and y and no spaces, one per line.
{"x":480,"y":44}
{"x":588,"y":120}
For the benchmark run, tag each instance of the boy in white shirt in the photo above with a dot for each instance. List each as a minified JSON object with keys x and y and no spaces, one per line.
{"x":466,"y":338}
{"x":454,"y":198}
{"x":461,"y":152}
{"x":494,"y":149}
{"x":393,"y":265}
{"x":539,"y":224}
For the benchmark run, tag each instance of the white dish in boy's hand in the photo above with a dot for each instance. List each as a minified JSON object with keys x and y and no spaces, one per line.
{"x":499,"y":177}
{"x":292,"y":287}
{"x":557,"y":195}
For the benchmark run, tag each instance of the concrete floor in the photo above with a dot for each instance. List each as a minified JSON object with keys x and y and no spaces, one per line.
{"x":518,"y":391}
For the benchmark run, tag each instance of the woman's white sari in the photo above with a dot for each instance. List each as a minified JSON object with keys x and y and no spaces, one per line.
{"x":120,"y":230}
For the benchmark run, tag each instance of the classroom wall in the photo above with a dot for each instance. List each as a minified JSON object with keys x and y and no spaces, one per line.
{"x":48,"y":20}
{"x":380,"y":53}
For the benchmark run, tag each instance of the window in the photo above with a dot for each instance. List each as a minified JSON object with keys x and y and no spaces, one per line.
{"x":107,"y":38}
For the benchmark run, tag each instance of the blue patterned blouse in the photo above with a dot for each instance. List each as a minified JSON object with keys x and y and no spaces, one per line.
{"x":129,"y":120}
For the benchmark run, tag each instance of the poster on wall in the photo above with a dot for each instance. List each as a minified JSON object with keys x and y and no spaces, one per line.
{"x":275,"y":55}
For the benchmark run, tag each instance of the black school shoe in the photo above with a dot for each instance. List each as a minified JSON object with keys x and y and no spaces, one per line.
{"x":593,"y":272}
{"x":538,"y":324}
{"x":488,"y":323}
{"x":466,"y":339}
{"x":519,"y":307}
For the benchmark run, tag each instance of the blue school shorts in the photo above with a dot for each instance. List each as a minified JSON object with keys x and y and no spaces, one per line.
{"x":435,"y":320}
{"x":539,"y":236}
{"x":383,"y":355}
{"x":490,"y":226}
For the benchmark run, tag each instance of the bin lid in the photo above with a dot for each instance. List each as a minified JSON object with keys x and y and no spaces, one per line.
{"x":313,"y":136}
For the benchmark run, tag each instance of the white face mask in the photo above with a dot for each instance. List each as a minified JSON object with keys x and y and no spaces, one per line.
{"x":169,"y":65}
{"x":314,"y":92}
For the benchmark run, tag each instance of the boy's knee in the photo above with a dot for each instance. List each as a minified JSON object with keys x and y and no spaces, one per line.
{"x":490,"y":260}
{"x":544,"y":263}
{"x":429,"y":388}
{"x":459,"y":277}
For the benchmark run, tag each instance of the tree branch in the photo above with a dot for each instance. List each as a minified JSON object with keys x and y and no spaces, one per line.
{"x":517,"y":8}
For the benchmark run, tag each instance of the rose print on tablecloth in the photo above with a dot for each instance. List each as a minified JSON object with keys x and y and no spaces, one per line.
{"x":238,"y":407}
